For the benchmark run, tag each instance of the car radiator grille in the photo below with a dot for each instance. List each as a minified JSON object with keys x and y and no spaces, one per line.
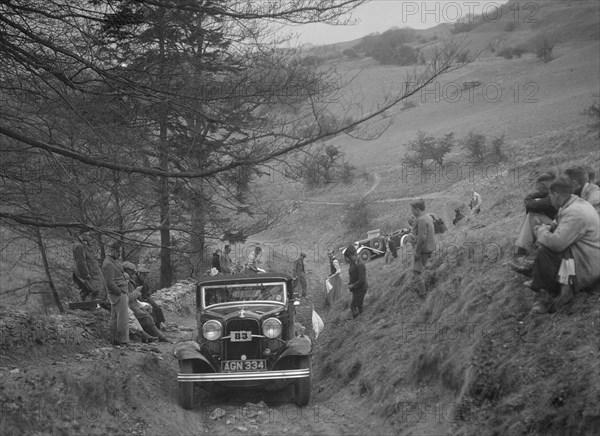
{"x":234,"y":350}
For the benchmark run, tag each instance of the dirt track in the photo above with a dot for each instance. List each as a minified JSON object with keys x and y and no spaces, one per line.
{"x":88,"y":387}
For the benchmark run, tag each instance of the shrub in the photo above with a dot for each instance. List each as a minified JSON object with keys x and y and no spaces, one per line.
{"x":358,"y":217}
{"x":463,"y":57}
{"x":518,"y":51}
{"x":408,"y":104}
{"x":498,"y":147}
{"x":510,"y":26}
{"x":506,"y":53}
{"x":351,"y":53}
{"x":593,"y":111}
{"x":426,"y":147}
{"x":474,"y":143}
{"x":542,"y":45}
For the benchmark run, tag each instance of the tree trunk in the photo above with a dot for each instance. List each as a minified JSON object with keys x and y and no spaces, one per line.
{"x":166,"y":273}
{"x":42,"y":248}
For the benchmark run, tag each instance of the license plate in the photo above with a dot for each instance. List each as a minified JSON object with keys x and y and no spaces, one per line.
{"x":241,"y":336}
{"x":244,"y":365}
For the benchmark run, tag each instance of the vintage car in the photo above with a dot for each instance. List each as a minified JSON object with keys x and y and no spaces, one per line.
{"x":247,"y":337}
{"x":374,"y":246}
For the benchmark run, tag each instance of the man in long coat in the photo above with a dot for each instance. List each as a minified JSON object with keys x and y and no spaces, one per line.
{"x":87,"y":269}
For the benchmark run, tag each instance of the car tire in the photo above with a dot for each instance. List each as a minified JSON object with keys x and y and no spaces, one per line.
{"x":302,"y":387}
{"x":186,"y":390}
{"x":378,"y":244}
{"x":365,"y":255}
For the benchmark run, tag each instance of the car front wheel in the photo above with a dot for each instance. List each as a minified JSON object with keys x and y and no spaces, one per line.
{"x":365,"y":256}
{"x":186,"y":389}
{"x":302,"y":387}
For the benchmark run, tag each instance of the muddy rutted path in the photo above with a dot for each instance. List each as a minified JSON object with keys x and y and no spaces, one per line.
{"x":77,"y":384}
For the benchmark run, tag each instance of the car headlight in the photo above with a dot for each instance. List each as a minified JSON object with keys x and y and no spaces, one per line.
{"x":212,"y":330}
{"x":272,"y":328}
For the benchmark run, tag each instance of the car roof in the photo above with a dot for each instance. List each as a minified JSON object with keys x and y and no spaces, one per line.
{"x":243,"y":278}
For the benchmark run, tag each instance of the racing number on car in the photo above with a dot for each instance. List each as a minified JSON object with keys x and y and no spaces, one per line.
{"x":241,"y":336}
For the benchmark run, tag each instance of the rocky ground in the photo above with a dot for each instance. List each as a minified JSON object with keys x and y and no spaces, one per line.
{"x":59,"y":375}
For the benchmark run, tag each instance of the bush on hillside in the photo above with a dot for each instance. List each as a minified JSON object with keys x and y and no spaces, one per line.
{"x":593,"y":111}
{"x":426,"y":147}
{"x":463,"y":57}
{"x":510,"y":26}
{"x":358,"y":217}
{"x":321,"y":166}
{"x":474,"y":143}
{"x":498,"y":147}
{"x":390,"y":48}
{"x":506,"y":53}
{"x":542,"y":45}
{"x":350,"y":53}
{"x":465,"y":25}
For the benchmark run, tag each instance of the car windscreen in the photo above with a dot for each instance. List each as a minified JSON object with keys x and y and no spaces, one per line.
{"x":273,"y":292}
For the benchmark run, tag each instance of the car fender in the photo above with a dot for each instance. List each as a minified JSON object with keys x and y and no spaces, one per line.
{"x":298,"y":346}
{"x":373,"y":251}
{"x":189,"y":350}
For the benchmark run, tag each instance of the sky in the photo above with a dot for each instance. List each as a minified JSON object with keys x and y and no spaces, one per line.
{"x":380,"y":15}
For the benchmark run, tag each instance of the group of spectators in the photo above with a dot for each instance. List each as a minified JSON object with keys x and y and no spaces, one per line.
{"x":558,"y":245}
{"x":221,"y":262}
{"x":133,"y":313}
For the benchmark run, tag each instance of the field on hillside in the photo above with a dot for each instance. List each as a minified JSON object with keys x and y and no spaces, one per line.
{"x":468,"y":359}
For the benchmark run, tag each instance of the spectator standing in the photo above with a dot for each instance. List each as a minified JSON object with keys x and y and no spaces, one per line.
{"x":216,"y":260}
{"x":300,"y":274}
{"x":254,"y":259}
{"x":87,"y":269}
{"x":575,"y":236}
{"x":475,"y":203}
{"x":424,"y":243}
{"x":357,"y":280}
{"x":391,"y":252}
{"x":117,"y":287}
{"x":334,"y":279}
{"x":225,"y":261}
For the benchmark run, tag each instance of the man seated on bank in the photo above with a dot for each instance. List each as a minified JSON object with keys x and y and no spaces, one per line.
{"x":143,"y":316}
{"x":576,"y":236}
{"x":590,"y":192}
{"x":538,"y":210}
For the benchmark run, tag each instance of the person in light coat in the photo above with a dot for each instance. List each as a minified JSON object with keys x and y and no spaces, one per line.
{"x":576,"y":235}
{"x":582,"y":187}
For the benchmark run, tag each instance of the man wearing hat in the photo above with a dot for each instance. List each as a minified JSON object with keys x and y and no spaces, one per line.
{"x":300,"y":274}
{"x":118,"y":288}
{"x":141,"y":279}
{"x":135,"y":292}
{"x":357,"y":280}
{"x":424,"y":243}
{"x":538,"y":210}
